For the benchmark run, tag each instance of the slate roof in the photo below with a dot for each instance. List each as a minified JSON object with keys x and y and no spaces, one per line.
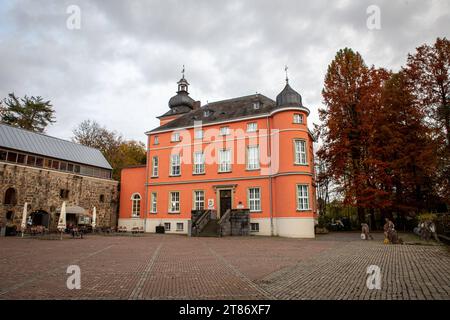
{"x":222,"y":111}
{"x":41,"y":144}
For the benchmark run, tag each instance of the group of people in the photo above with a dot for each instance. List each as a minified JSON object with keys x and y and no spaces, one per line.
{"x":390,"y":234}
{"x":75,"y":231}
{"x":426,"y":229}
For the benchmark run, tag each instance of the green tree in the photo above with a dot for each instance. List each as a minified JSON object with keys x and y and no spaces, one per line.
{"x":31,"y":113}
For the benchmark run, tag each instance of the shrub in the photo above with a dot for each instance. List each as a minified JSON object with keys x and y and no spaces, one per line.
{"x":426,"y":217}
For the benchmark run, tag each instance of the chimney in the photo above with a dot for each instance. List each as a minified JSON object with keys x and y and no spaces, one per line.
{"x":197,"y":105}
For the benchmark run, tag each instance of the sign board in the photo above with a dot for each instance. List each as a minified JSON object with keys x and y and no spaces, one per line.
{"x":210,"y":203}
{"x":84,"y":220}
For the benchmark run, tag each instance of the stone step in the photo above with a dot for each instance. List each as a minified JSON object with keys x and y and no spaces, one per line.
{"x":211,"y":229}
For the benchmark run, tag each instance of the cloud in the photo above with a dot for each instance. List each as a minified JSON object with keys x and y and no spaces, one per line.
{"x":122,"y":66}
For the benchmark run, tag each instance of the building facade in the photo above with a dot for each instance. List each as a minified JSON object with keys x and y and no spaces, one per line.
{"x":248,"y":152}
{"x":44,"y":171}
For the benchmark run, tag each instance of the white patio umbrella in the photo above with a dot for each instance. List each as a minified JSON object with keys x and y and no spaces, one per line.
{"x":94,"y":218}
{"x":24,"y":218}
{"x":62,"y":219}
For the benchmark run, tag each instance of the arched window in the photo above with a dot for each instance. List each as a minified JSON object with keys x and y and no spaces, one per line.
{"x":10,"y":197}
{"x":136,"y":205}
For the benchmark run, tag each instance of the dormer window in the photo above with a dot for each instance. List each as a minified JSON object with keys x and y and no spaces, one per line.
{"x":207,"y":113}
{"x":256,"y":105}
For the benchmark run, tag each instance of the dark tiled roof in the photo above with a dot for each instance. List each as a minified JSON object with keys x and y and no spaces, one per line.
{"x":222,"y":111}
{"x":41,"y":144}
{"x":289,"y":97}
{"x":175,"y":111}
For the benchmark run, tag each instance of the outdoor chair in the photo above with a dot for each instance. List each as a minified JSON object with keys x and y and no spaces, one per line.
{"x":135,"y":230}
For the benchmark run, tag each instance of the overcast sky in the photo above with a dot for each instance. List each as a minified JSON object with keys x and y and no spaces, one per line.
{"x":121,"y":67}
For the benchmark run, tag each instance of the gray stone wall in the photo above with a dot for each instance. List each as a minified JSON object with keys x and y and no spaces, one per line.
{"x":238,"y":223}
{"x":40,"y":188}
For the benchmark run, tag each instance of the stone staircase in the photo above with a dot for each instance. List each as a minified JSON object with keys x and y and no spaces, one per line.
{"x":211,"y":229}
{"x":234,"y":222}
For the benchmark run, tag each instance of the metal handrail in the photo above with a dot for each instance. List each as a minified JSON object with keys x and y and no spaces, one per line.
{"x":226,"y":215}
{"x":198,"y":222}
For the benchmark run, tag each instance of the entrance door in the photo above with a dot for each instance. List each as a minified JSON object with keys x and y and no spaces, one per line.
{"x":225,"y":201}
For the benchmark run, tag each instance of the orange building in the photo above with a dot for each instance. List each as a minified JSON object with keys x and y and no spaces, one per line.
{"x":248,"y":152}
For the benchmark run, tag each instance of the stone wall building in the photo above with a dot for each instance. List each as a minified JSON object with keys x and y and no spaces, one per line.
{"x":44,"y":171}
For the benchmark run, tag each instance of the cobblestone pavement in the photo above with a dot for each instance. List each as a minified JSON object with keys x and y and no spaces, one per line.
{"x":176,"y":267}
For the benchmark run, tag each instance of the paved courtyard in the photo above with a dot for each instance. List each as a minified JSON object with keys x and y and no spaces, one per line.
{"x":176,"y":267}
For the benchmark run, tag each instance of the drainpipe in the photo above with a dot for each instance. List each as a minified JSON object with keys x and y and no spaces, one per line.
{"x":146,"y":183}
{"x":270,"y":174}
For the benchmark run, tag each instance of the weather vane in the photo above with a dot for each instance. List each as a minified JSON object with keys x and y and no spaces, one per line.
{"x":286,"y":70}
{"x":182,"y":71}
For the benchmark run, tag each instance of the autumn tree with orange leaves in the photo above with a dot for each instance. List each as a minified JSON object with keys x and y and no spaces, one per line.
{"x":428,"y":71}
{"x":378,"y":148}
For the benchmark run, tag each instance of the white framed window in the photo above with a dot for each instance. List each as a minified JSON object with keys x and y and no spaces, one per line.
{"x":199,"y":163}
{"x":252,"y":157}
{"x":136,"y":205}
{"x":155,"y":166}
{"x":252,"y":127}
{"x":180,"y":226}
{"x":167,"y":226}
{"x":154,"y":203}
{"x":254,"y":227}
{"x":199,"y":200}
{"x":155,"y":140}
{"x":298,"y":118}
{"x":198,"y":135}
{"x":175,"y":165}
{"x":174,"y":199}
{"x":300,"y":151}
{"x":224,"y":131}
{"x":224,"y":160}
{"x":256,"y":105}
{"x":302,"y":197}
{"x":254,"y":199}
{"x":175,"y":137}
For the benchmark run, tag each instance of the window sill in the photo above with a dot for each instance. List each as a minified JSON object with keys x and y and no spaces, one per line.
{"x":301,"y":164}
{"x":259,"y":211}
{"x":154,"y":177}
{"x":174,"y":175}
{"x":224,"y":171}
{"x":198,"y":174}
{"x":174,"y":212}
{"x":303,"y":210}
{"x":258,"y":169}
